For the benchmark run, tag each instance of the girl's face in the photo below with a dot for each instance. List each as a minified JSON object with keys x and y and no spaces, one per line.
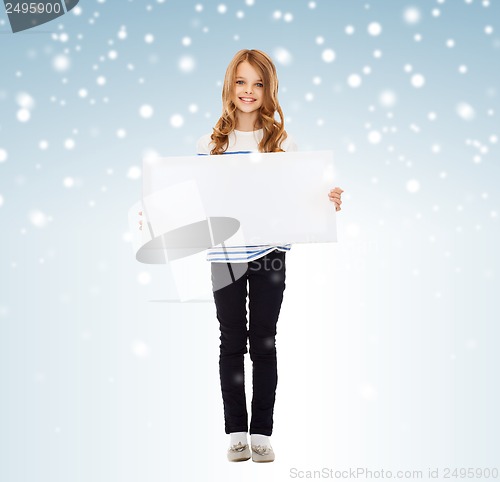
{"x":248,"y":89}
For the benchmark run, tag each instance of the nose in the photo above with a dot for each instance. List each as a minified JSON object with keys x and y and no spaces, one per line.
{"x":248,"y":90}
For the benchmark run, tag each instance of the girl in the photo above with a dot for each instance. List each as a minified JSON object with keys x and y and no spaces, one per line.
{"x":248,"y":124}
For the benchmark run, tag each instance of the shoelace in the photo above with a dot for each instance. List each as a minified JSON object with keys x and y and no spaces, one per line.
{"x":239,"y":447}
{"x":261,"y":449}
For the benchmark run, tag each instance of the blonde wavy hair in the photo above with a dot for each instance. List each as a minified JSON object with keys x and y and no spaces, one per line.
{"x":273,"y":130}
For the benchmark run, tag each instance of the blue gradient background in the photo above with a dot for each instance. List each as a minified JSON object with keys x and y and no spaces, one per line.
{"x":387,"y":341}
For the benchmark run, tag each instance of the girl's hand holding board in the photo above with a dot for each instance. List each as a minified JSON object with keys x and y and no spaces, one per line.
{"x":334,"y":196}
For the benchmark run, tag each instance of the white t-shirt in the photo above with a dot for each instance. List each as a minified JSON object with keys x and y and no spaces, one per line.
{"x":241,"y":142}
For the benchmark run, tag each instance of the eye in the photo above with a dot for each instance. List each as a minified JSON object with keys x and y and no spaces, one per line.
{"x":259,"y":84}
{"x":238,"y":81}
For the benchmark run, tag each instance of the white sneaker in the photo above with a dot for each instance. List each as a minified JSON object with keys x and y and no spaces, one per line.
{"x":238,"y":453}
{"x":262,"y":453}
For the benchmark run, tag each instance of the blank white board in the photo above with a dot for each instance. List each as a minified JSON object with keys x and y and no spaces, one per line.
{"x":192,"y":203}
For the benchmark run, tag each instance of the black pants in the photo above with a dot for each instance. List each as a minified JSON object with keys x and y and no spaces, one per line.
{"x":266,"y":283}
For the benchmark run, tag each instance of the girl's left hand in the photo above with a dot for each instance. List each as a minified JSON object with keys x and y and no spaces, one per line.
{"x":334,"y":196}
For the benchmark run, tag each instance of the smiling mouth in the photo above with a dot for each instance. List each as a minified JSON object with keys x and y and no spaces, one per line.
{"x":247,"y":100}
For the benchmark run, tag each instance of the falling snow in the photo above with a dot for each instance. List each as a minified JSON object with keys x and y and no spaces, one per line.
{"x":283,"y":56}
{"x":465,"y":111}
{"x":145,"y":111}
{"x":187,"y":64}
{"x":412,"y":15}
{"x":140,"y":349}
{"x":417,"y":80}
{"x":38,"y":218}
{"x":354,"y":80}
{"x":328,"y":55}
{"x":176,"y":120}
{"x":61,"y":63}
{"x":374,"y":29}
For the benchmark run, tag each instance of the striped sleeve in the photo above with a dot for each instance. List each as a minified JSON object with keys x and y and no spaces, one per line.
{"x":241,"y":254}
